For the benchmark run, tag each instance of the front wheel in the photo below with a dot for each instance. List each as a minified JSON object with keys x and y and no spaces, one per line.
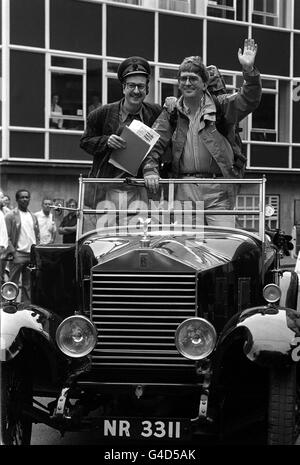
{"x":282,"y":406}
{"x":16,"y":392}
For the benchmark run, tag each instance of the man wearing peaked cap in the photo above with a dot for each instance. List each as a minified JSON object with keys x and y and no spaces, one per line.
{"x":105,"y":124}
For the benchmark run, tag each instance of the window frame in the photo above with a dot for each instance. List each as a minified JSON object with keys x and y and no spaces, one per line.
{"x":244,"y":12}
{"x":170,"y":5}
{"x":109,"y":74}
{"x":222,"y":8}
{"x":65,"y":70}
{"x":175,"y":5}
{"x":272,"y":91}
{"x":271,"y":199}
{"x":165,"y":80}
{"x":265,"y":15}
{"x":161,"y":81}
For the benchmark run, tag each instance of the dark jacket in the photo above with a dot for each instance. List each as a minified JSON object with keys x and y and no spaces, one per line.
{"x":13,"y":225}
{"x":103,"y":122}
{"x":68,"y":221}
{"x":234,"y":107}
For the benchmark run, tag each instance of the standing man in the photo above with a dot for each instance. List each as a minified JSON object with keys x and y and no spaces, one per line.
{"x":23,"y":232}
{"x":105,"y":124}
{"x":68,"y":226}
{"x":46,"y":222}
{"x":198,"y":148}
{"x":3,"y":239}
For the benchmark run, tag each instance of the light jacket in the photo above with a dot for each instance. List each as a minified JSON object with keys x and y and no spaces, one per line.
{"x":234,"y":107}
{"x":13,"y":225}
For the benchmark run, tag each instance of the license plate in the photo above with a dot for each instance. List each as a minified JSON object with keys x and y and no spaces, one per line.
{"x":136,"y":428}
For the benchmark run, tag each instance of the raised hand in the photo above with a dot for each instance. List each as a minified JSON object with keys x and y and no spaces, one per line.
{"x":247,"y":57}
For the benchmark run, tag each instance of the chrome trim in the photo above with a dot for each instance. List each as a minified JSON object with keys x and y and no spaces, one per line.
{"x":260,"y":182}
{"x":6,"y":284}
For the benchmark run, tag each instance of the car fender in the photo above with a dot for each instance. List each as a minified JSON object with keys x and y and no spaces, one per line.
{"x":289,"y":286}
{"x":19,"y":321}
{"x":271,"y":334}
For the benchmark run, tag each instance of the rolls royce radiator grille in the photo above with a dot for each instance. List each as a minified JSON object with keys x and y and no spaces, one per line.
{"x":136,"y":316}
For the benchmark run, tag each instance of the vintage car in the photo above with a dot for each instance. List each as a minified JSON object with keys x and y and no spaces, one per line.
{"x":155,"y":328}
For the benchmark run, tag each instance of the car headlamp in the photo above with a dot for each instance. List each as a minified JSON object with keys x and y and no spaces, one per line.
{"x":195,"y":338}
{"x":9,"y":291}
{"x":76,"y":336}
{"x":271,"y":293}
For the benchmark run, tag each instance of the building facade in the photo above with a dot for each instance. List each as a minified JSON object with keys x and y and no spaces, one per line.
{"x":58,"y":57}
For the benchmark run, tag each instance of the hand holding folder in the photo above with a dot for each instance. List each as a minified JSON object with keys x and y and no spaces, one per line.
{"x":139,"y":141}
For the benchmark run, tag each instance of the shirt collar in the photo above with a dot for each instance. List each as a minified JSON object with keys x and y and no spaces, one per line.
{"x":208,"y":107}
{"x":183,"y":107}
{"x":207,"y":111}
{"x":124,"y":113}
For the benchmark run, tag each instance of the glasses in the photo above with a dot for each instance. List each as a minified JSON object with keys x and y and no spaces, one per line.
{"x":132,"y":86}
{"x":191,"y":79}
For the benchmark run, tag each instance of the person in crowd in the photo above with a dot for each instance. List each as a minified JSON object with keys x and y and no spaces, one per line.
{"x":3,"y":240}
{"x":105,"y":124}
{"x":46,"y":222}
{"x":56,"y":111}
{"x":68,"y":226}
{"x":95,"y":103}
{"x":198,"y":148}
{"x":6,"y":204}
{"x":23,"y":232}
{"x":58,"y":216}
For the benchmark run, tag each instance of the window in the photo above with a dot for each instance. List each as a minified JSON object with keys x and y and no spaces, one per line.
{"x":118,"y":27}
{"x":75,"y":26}
{"x":179,"y":36}
{"x":271,"y":120}
{"x":94,"y":85}
{"x":168,"y":84}
{"x":114,"y":88}
{"x":266,"y":12}
{"x":264,"y":118}
{"x":221,"y":8}
{"x":167,"y":89}
{"x":67,"y":84}
{"x":175,"y":5}
{"x":27,"y":25}
{"x":251,"y":202}
{"x":27,"y":93}
{"x":172,"y":5}
{"x":26,"y":144}
{"x":131,"y":2}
